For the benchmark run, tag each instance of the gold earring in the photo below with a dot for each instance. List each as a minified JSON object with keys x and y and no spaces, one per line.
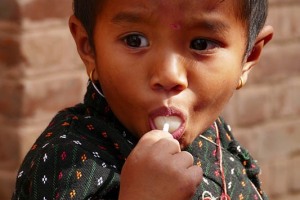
{"x":91,"y":75}
{"x":241,"y":83}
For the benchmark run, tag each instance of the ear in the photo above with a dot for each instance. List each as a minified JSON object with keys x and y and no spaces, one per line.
{"x":84,"y":48}
{"x":262,"y":39}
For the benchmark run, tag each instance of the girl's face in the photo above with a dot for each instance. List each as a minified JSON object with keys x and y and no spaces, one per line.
{"x":174,"y":61}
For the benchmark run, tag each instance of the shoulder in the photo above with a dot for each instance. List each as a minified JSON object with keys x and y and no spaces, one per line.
{"x":67,"y":157}
{"x":72,"y":133}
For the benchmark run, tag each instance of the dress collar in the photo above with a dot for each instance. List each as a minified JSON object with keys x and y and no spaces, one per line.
{"x":98,"y":107}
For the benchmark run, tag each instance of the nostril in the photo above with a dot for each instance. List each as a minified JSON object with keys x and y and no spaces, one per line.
{"x":169,"y":88}
{"x":157,"y":87}
{"x":179,"y":88}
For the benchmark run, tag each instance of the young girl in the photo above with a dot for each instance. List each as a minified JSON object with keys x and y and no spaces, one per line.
{"x":160,"y":74}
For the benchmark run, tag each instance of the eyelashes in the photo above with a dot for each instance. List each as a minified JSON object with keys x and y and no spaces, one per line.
{"x":203,"y":45}
{"x":135,"y":40}
{"x":139,"y":41}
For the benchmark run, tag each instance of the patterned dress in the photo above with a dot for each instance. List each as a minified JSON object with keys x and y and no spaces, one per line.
{"x":81,"y":153}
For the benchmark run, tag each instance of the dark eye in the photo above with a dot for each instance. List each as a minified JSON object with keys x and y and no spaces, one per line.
{"x":202,"y":45}
{"x":136,"y":41}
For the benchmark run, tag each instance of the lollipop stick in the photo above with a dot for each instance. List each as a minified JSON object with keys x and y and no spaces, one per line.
{"x":166,"y":127}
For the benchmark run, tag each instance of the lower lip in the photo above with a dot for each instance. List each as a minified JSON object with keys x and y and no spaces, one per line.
{"x":177,"y":134}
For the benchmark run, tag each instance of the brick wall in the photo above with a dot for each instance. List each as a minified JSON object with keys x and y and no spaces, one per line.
{"x":41,"y":73}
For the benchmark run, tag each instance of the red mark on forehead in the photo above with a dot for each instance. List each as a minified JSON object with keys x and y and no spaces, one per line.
{"x":175,"y":26}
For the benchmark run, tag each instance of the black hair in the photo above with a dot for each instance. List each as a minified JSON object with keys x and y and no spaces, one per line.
{"x":86,"y":11}
{"x":253,"y":14}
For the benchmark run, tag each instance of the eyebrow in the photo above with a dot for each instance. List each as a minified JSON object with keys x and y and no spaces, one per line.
{"x":128,"y":17}
{"x":213,"y":25}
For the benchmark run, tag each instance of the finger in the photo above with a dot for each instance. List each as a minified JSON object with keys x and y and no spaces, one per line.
{"x":183,"y":159}
{"x":168,"y":145}
{"x":153,"y":136}
{"x":193,"y":176}
{"x":196,"y":174}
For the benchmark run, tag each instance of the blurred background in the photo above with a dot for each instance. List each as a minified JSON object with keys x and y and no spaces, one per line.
{"x":40,"y":73}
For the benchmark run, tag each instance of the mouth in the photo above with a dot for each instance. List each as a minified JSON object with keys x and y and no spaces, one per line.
{"x":171,"y":116}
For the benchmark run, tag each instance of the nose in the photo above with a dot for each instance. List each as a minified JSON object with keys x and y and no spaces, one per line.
{"x":169,"y":74}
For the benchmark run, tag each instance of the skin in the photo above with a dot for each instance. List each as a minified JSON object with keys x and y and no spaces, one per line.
{"x":146,"y":57}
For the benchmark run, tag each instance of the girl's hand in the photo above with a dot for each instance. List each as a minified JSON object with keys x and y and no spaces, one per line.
{"x":158,"y":169}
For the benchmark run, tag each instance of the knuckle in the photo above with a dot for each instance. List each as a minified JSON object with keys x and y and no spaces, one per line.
{"x":188,"y":156}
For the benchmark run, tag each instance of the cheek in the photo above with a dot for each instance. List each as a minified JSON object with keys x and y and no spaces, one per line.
{"x":121,"y":77}
{"x":223,"y":90}
{"x":120,"y":85}
{"x":214,"y":92}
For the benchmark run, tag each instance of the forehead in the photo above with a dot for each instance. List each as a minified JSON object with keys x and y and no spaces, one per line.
{"x":169,"y":11}
{"x":191,"y":6}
